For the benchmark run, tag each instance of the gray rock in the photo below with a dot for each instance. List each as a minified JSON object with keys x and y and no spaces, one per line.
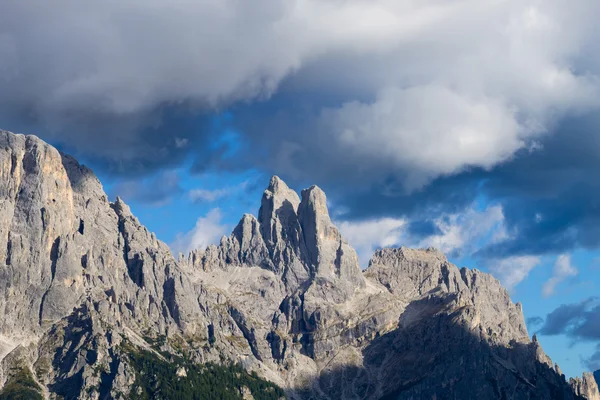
{"x":283,"y":295}
{"x":585,"y":386}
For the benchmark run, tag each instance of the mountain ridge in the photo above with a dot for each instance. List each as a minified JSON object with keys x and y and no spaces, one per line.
{"x":283,"y":295}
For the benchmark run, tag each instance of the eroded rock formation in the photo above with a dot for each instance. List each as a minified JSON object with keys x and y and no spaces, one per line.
{"x":82,"y":282}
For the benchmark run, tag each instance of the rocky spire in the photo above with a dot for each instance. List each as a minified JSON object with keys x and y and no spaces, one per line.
{"x":329,"y":254}
{"x":273,"y":241}
{"x":585,"y":386}
{"x":296,"y":240}
{"x":249,"y":243}
{"x":277,"y":215}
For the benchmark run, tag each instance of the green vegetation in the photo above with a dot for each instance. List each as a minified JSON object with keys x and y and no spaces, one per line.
{"x":156,"y":342}
{"x":157,"y":379}
{"x":21,"y":386}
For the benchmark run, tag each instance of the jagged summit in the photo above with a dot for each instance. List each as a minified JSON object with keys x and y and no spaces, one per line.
{"x":278,"y":186}
{"x":84,"y":287}
{"x":295,"y":239}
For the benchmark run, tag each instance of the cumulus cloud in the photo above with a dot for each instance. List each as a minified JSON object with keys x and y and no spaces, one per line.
{"x":460,"y":234}
{"x":513,"y":270}
{"x":208,"y":230}
{"x":563,"y":269}
{"x":456,"y":234}
{"x":367,"y":236}
{"x":421,"y":89}
{"x":465,"y":233}
{"x":449,"y":94}
{"x":427,"y":130}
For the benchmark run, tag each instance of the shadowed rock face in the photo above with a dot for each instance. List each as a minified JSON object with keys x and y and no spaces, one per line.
{"x":82,"y":281}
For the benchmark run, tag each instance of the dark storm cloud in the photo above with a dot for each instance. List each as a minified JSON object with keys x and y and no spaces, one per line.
{"x":133,"y":145}
{"x":444,"y":195}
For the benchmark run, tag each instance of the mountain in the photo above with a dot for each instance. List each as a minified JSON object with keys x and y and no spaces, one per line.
{"x":585,"y":386}
{"x":93,"y":306}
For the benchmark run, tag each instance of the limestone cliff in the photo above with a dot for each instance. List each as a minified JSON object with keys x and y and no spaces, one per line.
{"x":82,"y":283}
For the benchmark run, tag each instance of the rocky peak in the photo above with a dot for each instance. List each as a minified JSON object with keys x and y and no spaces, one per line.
{"x":330,"y":256}
{"x":63,"y":242}
{"x":414,"y":272}
{"x":315,"y":222}
{"x":249,"y":243}
{"x":121,"y":208}
{"x":277,"y":215}
{"x":293,"y":238}
{"x":585,"y":386}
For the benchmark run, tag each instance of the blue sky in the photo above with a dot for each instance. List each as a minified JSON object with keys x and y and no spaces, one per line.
{"x":466,"y":125}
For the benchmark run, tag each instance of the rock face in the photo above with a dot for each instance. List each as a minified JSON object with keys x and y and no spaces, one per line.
{"x":585,"y":386}
{"x":82,"y":282}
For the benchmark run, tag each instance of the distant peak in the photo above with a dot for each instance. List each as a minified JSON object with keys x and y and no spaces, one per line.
{"x":278,"y":209}
{"x":409,"y":254}
{"x":278,"y":194}
{"x":248,"y":218}
{"x":246,"y":222}
{"x":316,"y":200}
{"x":276,"y":184}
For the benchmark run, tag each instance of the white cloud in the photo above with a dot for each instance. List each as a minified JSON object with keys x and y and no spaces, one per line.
{"x":430,"y":130}
{"x":563,"y":269}
{"x":208,"y":195}
{"x":513,"y":270}
{"x":429,"y":87}
{"x":208,"y":230}
{"x":459,"y":234}
{"x":367,"y":236}
{"x":465,"y":232}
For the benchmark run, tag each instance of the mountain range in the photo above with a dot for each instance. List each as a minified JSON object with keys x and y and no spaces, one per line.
{"x":94,"y":306}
